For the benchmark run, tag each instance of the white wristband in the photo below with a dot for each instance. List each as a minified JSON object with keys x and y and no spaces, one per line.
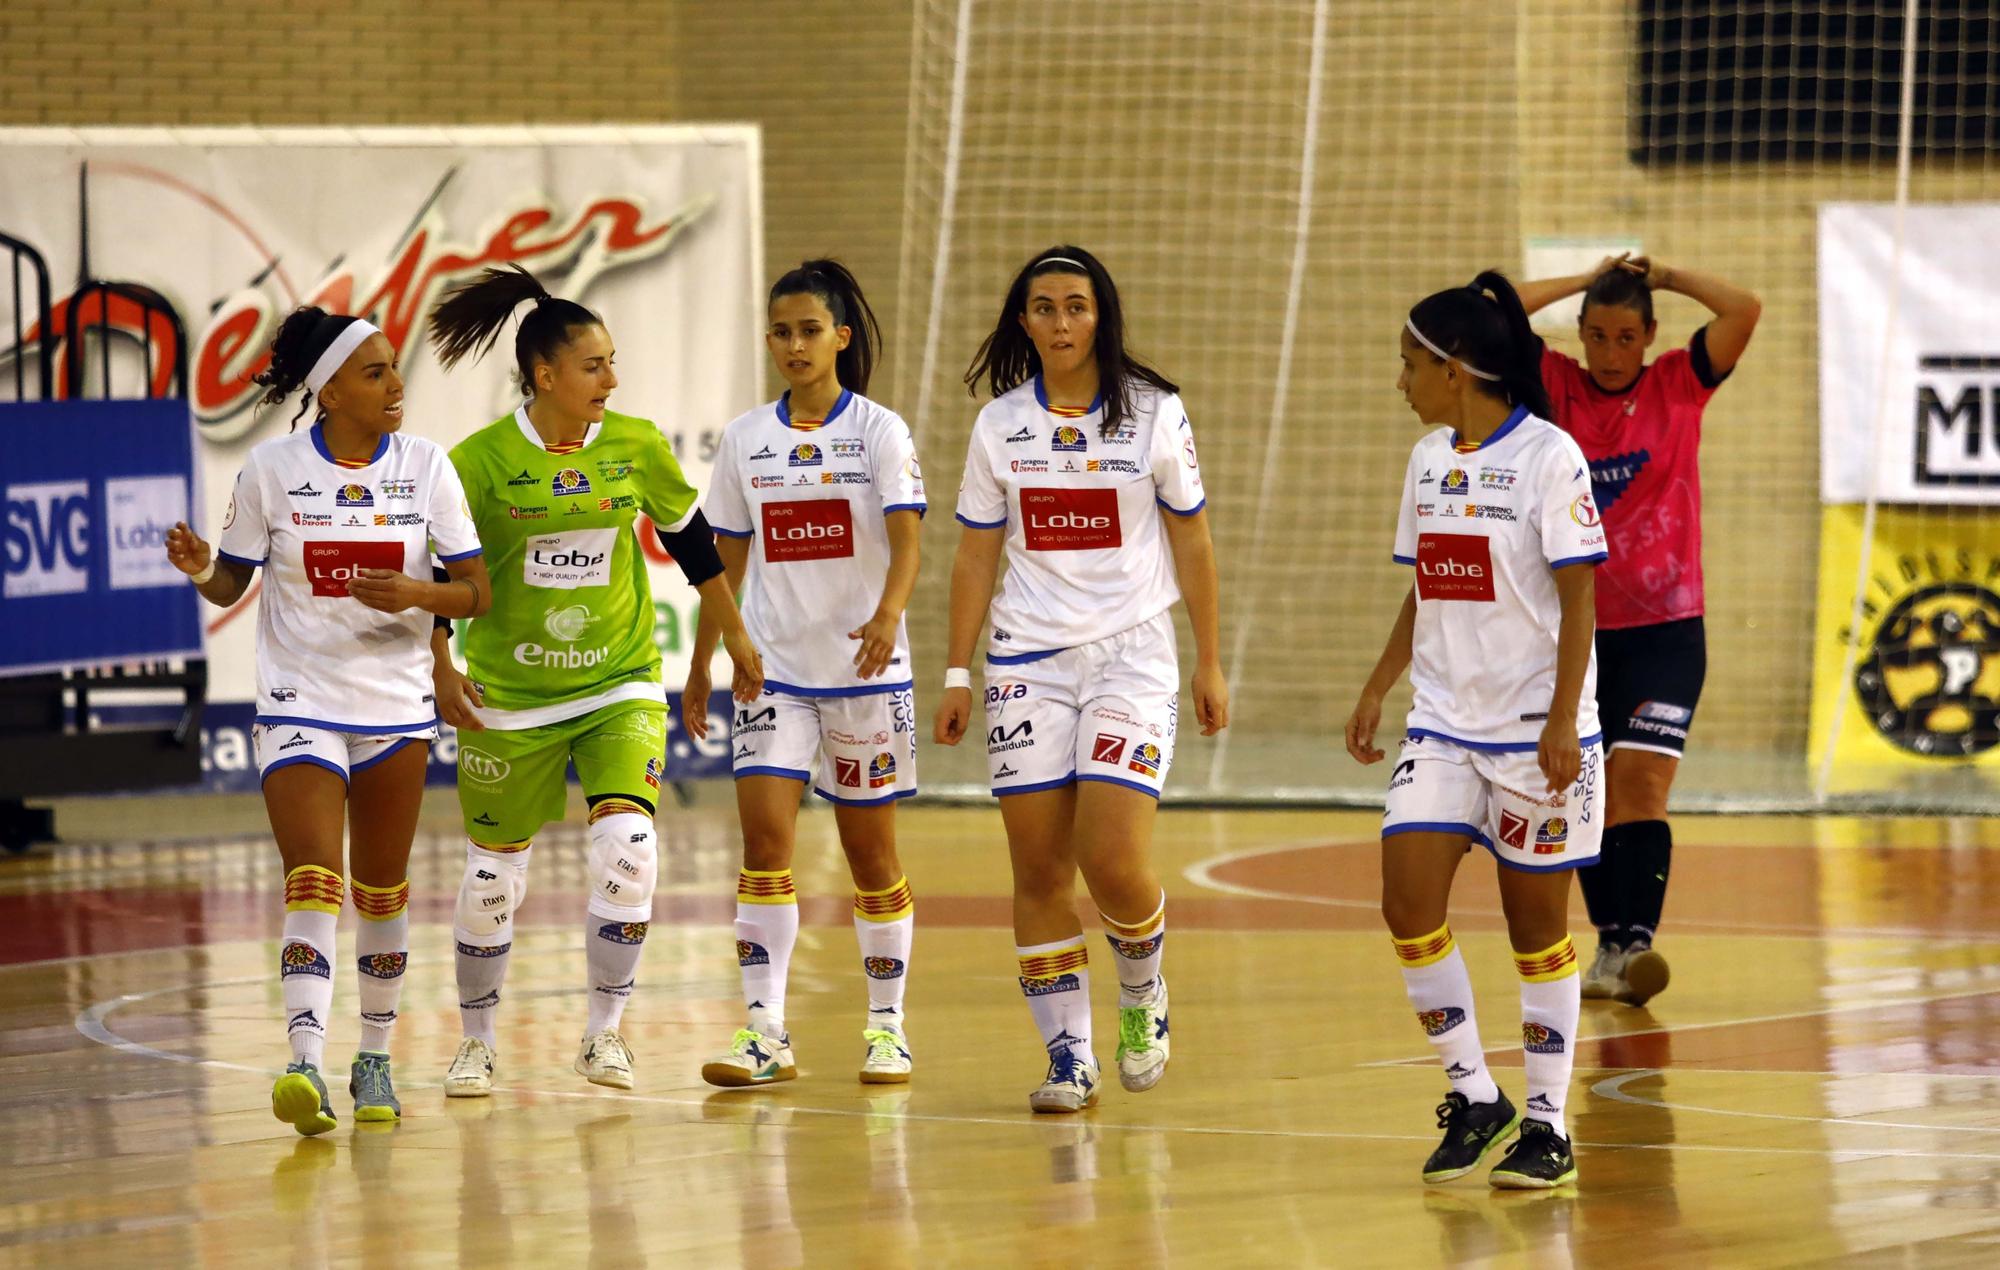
{"x":207,"y":572}
{"x":958,"y":677}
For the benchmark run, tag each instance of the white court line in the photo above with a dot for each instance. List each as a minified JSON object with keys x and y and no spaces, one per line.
{"x":91,"y":1022}
{"x":1202,"y":873}
{"x":1613,"y":1087}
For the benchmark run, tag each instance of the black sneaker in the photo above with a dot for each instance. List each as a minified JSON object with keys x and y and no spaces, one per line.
{"x":1471,"y":1129}
{"x":1540,"y":1160}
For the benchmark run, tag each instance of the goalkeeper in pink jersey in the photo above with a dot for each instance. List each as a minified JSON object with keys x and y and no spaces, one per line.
{"x":1639,"y":425}
{"x":1502,"y":743}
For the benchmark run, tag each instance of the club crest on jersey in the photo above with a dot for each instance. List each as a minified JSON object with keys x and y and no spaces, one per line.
{"x":383,"y":965}
{"x":1145,"y":758}
{"x":1552,"y":836}
{"x":303,"y":959}
{"x":805,"y":454}
{"x":353,"y":494}
{"x":623,"y":932}
{"x":1438,"y":1022}
{"x":1068,"y":437}
{"x":655,"y":769}
{"x":569,"y":481}
{"x":1454,"y":482}
{"x":1539,"y":1038}
{"x":882,"y":967}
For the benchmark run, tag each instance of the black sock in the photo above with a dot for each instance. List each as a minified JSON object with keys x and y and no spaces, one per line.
{"x":1604,"y":887}
{"x":1649,"y":851}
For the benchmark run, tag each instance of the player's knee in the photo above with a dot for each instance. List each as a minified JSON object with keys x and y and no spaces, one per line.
{"x":1044,"y":880}
{"x":624,"y":866}
{"x":766,"y":850}
{"x":488,"y":897}
{"x":1410,"y":916}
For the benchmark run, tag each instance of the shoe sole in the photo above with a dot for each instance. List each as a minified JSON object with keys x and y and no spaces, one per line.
{"x":1144,"y":1081}
{"x":454,"y":1089}
{"x":885,"y":1078}
{"x":1522,"y":1182}
{"x":376,"y":1115}
{"x":297,"y":1103}
{"x":1452,"y":1175}
{"x":723,"y":1076}
{"x":1597,"y":990}
{"x":1061,"y":1109}
{"x":1646,"y":977}
{"x":610,"y":1080}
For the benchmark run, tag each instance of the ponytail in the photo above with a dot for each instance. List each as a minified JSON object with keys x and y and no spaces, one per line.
{"x":1485,"y":327}
{"x":836,"y":288}
{"x":470,"y":318}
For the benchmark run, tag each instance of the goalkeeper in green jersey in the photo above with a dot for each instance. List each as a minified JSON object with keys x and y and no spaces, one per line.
{"x":564,"y":668}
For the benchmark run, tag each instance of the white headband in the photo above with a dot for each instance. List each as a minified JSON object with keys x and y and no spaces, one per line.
{"x":343,"y":345}
{"x":1063,"y":260}
{"x":1470,"y":369}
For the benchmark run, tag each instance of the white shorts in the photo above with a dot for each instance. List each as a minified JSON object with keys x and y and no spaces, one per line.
{"x":277,"y":745}
{"x":1099,"y":712}
{"x":860,"y":751}
{"x":1500,"y":800}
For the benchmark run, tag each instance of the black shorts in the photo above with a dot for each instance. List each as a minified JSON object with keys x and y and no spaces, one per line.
{"x":1648,"y":681}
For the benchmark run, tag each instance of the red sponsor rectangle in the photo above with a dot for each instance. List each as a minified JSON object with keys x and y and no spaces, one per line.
{"x":331,"y":565}
{"x":1107,"y":748}
{"x":847,"y":771}
{"x":1454,"y":567}
{"x":808,"y":529}
{"x":1070,"y":519}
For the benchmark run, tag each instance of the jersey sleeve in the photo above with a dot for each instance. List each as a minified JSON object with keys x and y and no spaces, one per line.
{"x":982,"y":502}
{"x":1572,"y":531}
{"x":1405,"y":550}
{"x":1176,"y":468}
{"x":246,"y":538}
{"x":1559,"y":370}
{"x":727,"y":510}
{"x":899,"y":477}
{"x":665,"y":492}
{"x":452,"y":534}
{"x":1682,"y":376}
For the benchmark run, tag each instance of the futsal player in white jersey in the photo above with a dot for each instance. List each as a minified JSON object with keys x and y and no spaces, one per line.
{"x":1082,"y":469}
{"x":1503,"y":747}
{"x":816,"y":500}
{"x":343,"y":518}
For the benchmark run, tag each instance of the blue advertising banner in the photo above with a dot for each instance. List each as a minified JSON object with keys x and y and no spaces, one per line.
{"x":90,"y":489}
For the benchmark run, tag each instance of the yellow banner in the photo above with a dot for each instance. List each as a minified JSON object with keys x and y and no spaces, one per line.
{"x":1921,"y":709}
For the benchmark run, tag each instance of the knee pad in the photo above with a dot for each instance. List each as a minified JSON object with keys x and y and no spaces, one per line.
{"x":624,"y":865}
{"x":489,"y":896}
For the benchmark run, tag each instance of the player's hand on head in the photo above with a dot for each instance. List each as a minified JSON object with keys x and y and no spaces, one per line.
{"x":878,"y":644}
{"x":1361,"y":727}
{"x":385,"y":590}
{"x":186,"y":551}
{"x":694,"y":702}
{"x":747,"y":673}
{"x":457,"y":698}
{"x":953,"y":713}
{"x":1211,"y":699}
{"x":1559,"y":754}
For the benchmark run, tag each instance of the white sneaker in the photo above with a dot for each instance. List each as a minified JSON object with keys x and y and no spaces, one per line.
{"x":1606,"y":976}
{"x":1142,"y":1042}
{"x":471,"y":1074}
{"x":888,"y":1059}
{"x":1070,"y":1086}
{"x":753,"y":1059}
{"x":606,"y":1060}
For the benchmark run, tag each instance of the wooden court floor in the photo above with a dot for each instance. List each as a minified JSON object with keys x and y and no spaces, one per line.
{"x":1820,"y":1085}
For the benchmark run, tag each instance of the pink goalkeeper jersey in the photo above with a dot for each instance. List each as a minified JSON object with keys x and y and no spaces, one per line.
{"x":1641,"y":446}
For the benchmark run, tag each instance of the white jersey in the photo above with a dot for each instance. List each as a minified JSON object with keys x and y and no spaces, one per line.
{"x":814,"y":499}
{"x":324,"y":659}
{"x":1485,"y":529}
{"x":1086,"y":555}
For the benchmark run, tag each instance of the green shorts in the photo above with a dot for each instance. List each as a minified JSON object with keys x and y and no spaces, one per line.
{"x":511,"y":783}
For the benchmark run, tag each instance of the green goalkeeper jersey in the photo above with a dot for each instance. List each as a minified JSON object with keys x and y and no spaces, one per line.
{"x":571,"y":628}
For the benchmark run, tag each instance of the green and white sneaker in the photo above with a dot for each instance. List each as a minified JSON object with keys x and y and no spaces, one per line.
{"x":471,"y":1074}
{"x":1142,"y":1042}
{"x":1070,"y":1086}
{"x":753,"y":1059}
{"x":299,"y":1099}
{"x":374,"y":1094}
{"x":606,"y":1060}
{"x":888,"y":1058}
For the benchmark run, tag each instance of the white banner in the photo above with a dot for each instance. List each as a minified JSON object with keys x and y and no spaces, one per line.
{"x":1940,"y":408}
{"x":657,"y":228}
